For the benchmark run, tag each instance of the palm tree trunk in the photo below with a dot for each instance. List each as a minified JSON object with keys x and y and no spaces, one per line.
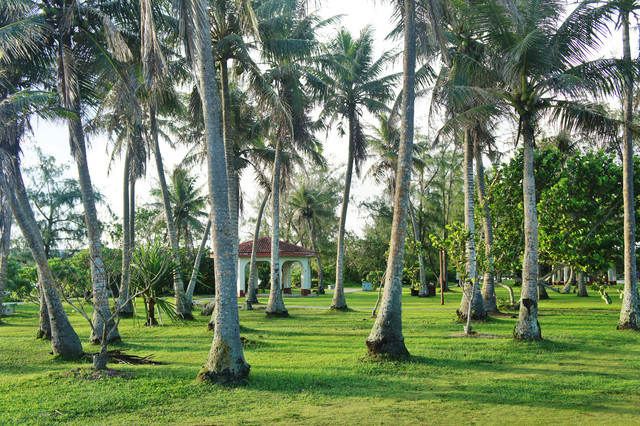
{"x":630,"y":311}
{"x":424,"y":291}
{"x":101,"y":308}
{"x":44,"y":324}
{"x":183,"y":310}
{"x":314,"y":247}
{"x":225,"y":362}
{"x":386,"y":338}
{"x":227,"y":135}
{"x":472,"y":297}
{"x":339,"y":301}
{"x":64,"y":340}
{"x":124,"y":304}
{"x":582,"y":288}
{"x":527,"y":326}
{"x":275,"y":307}
{"x":5,"y":240}
{"x":566,"y":289}
{"x":196,"y":264}
{"x":253,"y":276}
{"x":488,"y":287}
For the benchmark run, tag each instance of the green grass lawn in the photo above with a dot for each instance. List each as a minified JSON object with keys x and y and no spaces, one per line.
{"x":308,"y":369}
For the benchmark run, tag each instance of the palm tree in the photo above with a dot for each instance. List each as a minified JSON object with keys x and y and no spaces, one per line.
{"x":81,"y":33}
{"x":535,"y":60}
{"x":288,"y":41}
{"x":155,"y":77}
{"x":225,"y":362}
{"x":5,"y":240}
{"x":311,"y":203}
{"x":24,"y":66}
{"x":350,"y":84}
{"x":630,"y":310}
{"x":386,"y":338}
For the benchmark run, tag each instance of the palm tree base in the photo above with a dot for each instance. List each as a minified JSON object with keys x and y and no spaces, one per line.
{"x":186,"y":316}
{"x":343,"y":308}
{"x":527,"y":333}
{"x":43,"y":334}
{"x":462,"y":316}
{"x":226,"y":376}
{"x":387,"y":348}
{"x":631,"y":323}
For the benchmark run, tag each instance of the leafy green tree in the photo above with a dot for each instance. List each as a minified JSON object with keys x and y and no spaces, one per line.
{"x":56,"y":200}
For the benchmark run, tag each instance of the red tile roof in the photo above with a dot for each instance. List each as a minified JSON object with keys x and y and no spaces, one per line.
{"x":264,"y":249}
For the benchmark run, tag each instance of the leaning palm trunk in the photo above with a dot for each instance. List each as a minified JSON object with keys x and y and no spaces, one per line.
{"x":44,"y":324}
{"x":126,"y":308}
{"x":5,"y":239}
{"x":527,"y":326}
{"x":252,"y":297}
{"x":471,"y":305}
{"x":275,"y":307}
{"x":630,"y":311}
{"x":196,"y":264}
{"x":225,"y":362}
{"x":183,"y":309}
{"x":488,"y":287}
{"x":339,"y":301}
{"x":566,"y":289}
{"x":101,"y":307}
{"x":386,"y":338}
{"x":64,"y":340}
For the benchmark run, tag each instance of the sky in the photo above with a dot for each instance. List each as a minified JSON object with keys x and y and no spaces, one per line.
{"x":53,"y":138}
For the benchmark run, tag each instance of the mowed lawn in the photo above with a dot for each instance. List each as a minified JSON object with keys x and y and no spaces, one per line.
{"x":309,"y":369}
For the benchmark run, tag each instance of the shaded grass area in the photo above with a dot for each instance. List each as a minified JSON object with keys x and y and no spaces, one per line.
{"x":308,"y":369}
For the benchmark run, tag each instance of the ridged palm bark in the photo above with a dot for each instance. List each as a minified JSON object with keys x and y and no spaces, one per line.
{"x":126,"y":308}
{"x":630,"y":311}
{"x":225,"y":362}
{"x":488,"y":287}
{"x":275,"y":307}
{"x":183,"y":310}
{"x":527,"y":326}
{"x":472,"y":297}
{"x":5,"y":240}
{"x":64,"y":340}
{"x":386,"y":338}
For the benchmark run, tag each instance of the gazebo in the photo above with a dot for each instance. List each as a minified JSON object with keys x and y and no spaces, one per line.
{"x":289,"y":254}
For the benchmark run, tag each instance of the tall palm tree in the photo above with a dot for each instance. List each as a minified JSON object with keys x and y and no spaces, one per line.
{"x":25,"y":64}
{"x":535,"y":59}
{"x":81,"y":33}
{"x":352,"y":82}
{"x":225,"y":362}
{"x":5,"y":240}
{"x":288,"y":41}
{"x":630,"y":310}
{"x":155,"y":80}
{"x":386,"y":338}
